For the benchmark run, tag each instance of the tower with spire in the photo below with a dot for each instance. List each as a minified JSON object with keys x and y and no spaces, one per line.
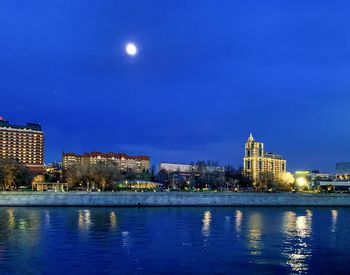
{"x":256,"y":161}
{"x":251,"y":137}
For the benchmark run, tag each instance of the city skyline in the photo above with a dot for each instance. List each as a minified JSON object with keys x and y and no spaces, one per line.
{"x":191,"y":95}
{"x":153,"y":163}
{"x":109,"y":154}
{"x":174,"y":137}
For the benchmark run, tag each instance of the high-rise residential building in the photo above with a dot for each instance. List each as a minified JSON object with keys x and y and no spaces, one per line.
{"x":257,"y":162}
{"x":122,"y":161}
{"x":23,"y":143}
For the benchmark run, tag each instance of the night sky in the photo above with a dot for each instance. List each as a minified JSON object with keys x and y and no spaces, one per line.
{"x":207,"y":74}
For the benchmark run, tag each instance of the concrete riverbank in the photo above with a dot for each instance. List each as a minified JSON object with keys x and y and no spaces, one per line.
{"x":170,"y":199}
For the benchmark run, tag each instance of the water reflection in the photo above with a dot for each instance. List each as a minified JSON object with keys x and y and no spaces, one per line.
{"x":20,"y":227}
{"x":275,"y":240}
{"x":296,"y":247}
{"x":113,"y":219}
{"x":84,"y":219}
{"x":126,"y":239}
{"x":11,"y":218}
{"x":334,"y":220}
{"x":254,"y":234}
{"x":238,"y":219}
{"x":206,"y":224}
{"x":47,"y":217}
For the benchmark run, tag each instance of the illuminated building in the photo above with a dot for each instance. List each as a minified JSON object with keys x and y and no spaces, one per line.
{"x":342,"y":170}
{"x":176,"y":167}
{"x":138,"y":185}
{"x":54,"y":171}
{"x":256,"y":161}
{"x":311,"y":179}
{"x":122,"y":161}
{"x":187,"y":168}
{"x":23,"y":143}
{"x":54,"y":167}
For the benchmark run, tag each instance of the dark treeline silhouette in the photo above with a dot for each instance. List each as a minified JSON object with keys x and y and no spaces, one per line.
{"x":102,"y":176}
{"x":105,"y":176}
{"x":205,"y":175}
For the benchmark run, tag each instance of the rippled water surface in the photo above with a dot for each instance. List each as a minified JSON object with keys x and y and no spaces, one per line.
{"x":174,"y":240}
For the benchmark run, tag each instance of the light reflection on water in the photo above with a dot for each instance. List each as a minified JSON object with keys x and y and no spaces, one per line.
{"x":296,"y":246}
{"x":334,"y":214}
{"x":11,"y":218}
{"x":47,"y":218}
{"x":126,"y":240}
{"x":238,"y":219}
{"x":84,"y":219}
{"x":254,"y":234}
{"x":206,"y":224}
{"x":113,"y":219}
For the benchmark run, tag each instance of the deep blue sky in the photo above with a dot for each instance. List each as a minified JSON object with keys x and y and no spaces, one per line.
{"x":207,"y":74}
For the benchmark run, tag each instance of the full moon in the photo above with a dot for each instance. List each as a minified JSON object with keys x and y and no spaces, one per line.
{"x":131,"y":49}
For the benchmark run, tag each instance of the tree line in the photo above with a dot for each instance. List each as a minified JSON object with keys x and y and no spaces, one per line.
{"x":14,"y":174}
{"x":104,"y":176}
{"x":205,"y":175}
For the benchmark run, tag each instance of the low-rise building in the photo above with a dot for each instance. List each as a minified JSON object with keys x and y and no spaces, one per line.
{"x":312,"y":179}
{"x":187,"y":168}
{"x":138,"y":185}
{"x":176,"y":167}
{"x":50,"y":186}
{"x":342,"y":170}
{"x":122,"y":161}
{"x":54,"y":171}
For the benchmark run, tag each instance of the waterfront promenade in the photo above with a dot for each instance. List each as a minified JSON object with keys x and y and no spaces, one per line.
{"x":133,"y":199}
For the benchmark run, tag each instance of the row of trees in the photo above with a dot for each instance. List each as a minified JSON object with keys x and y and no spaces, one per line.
{"x":13,"y":174}
{"x":205,"y":175}
{"x":267,"y":182}
{"x":208,"y":175}
{"x":102,"y":176}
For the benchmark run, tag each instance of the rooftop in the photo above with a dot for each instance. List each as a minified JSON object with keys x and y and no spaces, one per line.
{"x":30,"y":126}
{"x":106,"y":155}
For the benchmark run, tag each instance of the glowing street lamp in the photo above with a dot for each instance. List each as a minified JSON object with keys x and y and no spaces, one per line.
{"x":301,"y":182}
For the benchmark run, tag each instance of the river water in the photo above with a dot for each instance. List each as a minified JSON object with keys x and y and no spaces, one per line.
{"x":174,"y":240}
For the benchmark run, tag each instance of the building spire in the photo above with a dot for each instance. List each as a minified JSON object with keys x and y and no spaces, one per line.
{"x":250,"y":137}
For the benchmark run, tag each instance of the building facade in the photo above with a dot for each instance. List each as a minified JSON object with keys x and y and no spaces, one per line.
{"x":23,"y":143}
{"x":342,"y":170}
{"x":176,"y":167}
{"x":256,"y":161}
{"x":186,"y":168}
{"x":122,"y":161}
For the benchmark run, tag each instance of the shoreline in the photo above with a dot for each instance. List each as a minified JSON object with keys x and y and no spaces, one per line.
{"x":170,"y":199}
